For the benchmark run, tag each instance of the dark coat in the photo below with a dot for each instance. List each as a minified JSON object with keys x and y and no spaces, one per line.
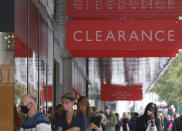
{"x":177,"y":125}
{"x":142,"y":124}
{"x":166,"y":124}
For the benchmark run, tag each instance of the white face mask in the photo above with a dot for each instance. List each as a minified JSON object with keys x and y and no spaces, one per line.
{"x":149,"y":113}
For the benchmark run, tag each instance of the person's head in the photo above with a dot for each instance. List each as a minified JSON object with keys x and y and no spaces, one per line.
{"x":50,"y":111}
{"x":160,"y":117}
{"x":84,"y":106}
{"x":117,"y":115}
{"x":176,"y":116}
{"x":94,"y":109}
{"x":133,"y":115}
{"x":125,"y":115}
{"x":164,"y":115}
{"x":151,"y":108}
{"x":136,"y":114}
{"x":107,"y":109}
{"x":68,"y":102}
{"x":58,"y":110}
{"x":28,"y":104}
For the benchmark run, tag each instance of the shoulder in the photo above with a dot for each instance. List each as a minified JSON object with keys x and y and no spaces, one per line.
{"x":80,"y":114}
{"x":41,"y":118}
{"x":141,"y":118}
{"x":112,"y":114}
{"x":60,"y":117}
{"x":178,"y":121}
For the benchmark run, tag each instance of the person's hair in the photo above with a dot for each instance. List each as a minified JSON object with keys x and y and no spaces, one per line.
{"x":147,"y":108}
{"x":117,"y":114}
{"x":161,"y":118}
{"x":68,"y":96}
{"x":50,"y":110}
{"x":33,"y":99}
{"x":17,"y":120}
{"x":83,"y":100}
{"x":59,"y":110}
{"x":94,"y":109}
{"x":176,"y":115}
{"x":107,"y":106}
{"x":125,"y":115}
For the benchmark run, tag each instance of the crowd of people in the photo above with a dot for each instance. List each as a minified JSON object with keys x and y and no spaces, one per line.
{"x":80,"y":116}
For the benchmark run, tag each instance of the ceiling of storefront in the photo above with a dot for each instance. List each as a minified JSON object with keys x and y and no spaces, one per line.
{"x":125,"y":71}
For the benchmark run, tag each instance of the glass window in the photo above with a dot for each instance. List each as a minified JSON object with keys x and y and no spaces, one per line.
{"x":33,"y":57}
{"x":42,"y":66}
{"x":20,"y":69}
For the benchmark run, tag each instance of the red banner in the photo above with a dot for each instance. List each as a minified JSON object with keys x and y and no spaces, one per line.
{"x":133,"y":38}
{"x":110,"y":92}
{"x":92,"y":9}
{"x":115,"y":35}
{"x":49,"y":91}
{"x":21,"y":49}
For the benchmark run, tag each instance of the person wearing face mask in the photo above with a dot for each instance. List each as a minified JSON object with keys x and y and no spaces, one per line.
{"x":111,"y":120}
{"x":70,"y":120}
{"x":35,"y":120}
{"x":149,"y":121}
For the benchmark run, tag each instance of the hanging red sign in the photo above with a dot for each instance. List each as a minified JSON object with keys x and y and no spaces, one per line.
{"x":49,"y":91}
{"x":118,"y":8}
{"x":114,"y":35}
{"x":111,"y":92}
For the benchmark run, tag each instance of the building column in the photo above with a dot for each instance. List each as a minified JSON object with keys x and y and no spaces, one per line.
{"x":67,"y":75}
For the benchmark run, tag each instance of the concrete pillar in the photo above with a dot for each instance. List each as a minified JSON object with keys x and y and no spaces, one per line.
{"x":57,"y":91}
{"x":67,"y":75}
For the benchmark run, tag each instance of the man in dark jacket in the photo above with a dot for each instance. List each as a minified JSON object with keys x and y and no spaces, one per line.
{"x":177,"y":125}
{"x":149,"y":121}
{"x":166,"y":122}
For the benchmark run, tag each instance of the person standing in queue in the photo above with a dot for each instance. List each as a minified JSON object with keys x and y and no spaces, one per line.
{"x":70,"y":120}
{"x":149,"y":121}
{"x":35,"y":120}
{"x":111,"y":120}
{"x":84,"y":106}
{"x":119,"y":123}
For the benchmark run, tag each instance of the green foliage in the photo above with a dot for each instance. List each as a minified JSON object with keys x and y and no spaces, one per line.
{"x":169,"y":86}
{"x":18,"y":92}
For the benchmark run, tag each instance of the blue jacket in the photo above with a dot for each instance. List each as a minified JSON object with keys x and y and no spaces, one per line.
{"x":38,"y":122}
{"x":79,"y":120}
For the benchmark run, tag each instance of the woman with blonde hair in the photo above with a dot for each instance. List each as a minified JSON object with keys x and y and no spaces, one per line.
{"x":125,"y":122}
{"x":84,"y":106}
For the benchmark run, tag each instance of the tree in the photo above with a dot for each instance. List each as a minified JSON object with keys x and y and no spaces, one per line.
{"x":169,"y":86}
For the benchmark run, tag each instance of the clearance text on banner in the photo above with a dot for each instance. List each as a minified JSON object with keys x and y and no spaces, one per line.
{"x":146,"y":38}
{"x":110,"y":92}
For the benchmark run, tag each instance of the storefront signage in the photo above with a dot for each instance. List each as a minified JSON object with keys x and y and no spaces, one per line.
{"x":6,"y":75}
{"x":119,"y":8}
{"x":111,"y":92}
{"x":135,"y":37}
